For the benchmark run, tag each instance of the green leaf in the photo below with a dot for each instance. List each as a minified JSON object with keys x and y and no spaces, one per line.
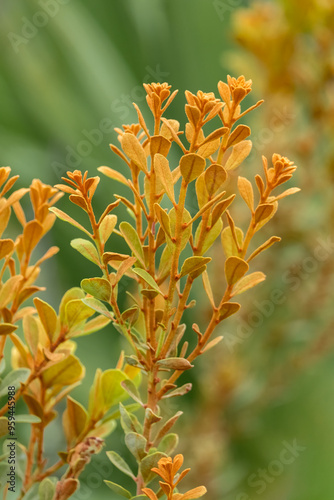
{"x":66,"y":218}
{"x":76,"y":312}
{"x":46,"y":489}
{"x":148,"y":278}
{"x":193,"y":264}
{"x":118,"y":462}
{"x":131,"y":389}
{"x":87,"y":249}
{"x":27,"y":419}
{"x":136,"y":443}
{"x":132,"y":239}
{"x":97,"y":287}
{"x":129,"y":421}
{"x":148,"y":463}
{"x":14,"y":378}
{"x":169,"y":443}
{"x":3,"y":426}
{"x":116,"y":488}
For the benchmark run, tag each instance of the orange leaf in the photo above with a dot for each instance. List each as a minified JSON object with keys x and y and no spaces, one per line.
{"x":246,"y":191}
{"x":32,"y":233}
{"x":134,"y":150}
{"x":248,"y":282}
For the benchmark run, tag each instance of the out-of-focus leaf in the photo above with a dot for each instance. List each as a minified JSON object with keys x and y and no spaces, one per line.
{"x":120,"y":463}
{"x":13,"y":378}
{"x":119,"y":490}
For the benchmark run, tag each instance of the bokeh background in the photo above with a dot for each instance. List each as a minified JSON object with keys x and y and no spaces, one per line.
{"x":67,"y":77}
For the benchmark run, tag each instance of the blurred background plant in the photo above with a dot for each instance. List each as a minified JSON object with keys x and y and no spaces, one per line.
{"x":69,"y":75}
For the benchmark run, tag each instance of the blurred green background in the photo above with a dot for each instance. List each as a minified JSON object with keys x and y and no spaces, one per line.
{"x":69,"y":71}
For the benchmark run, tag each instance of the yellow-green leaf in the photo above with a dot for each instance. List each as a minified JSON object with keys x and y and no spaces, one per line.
{"x":147,"y":278}
{"x":131,"y":237}
{"x":65,"y":372}
{"x":119,"y":490}
{"x":48,"y":317}
{"x":76,"y":312}
{"x":97,"y":287}
{"x":87,"y":249}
